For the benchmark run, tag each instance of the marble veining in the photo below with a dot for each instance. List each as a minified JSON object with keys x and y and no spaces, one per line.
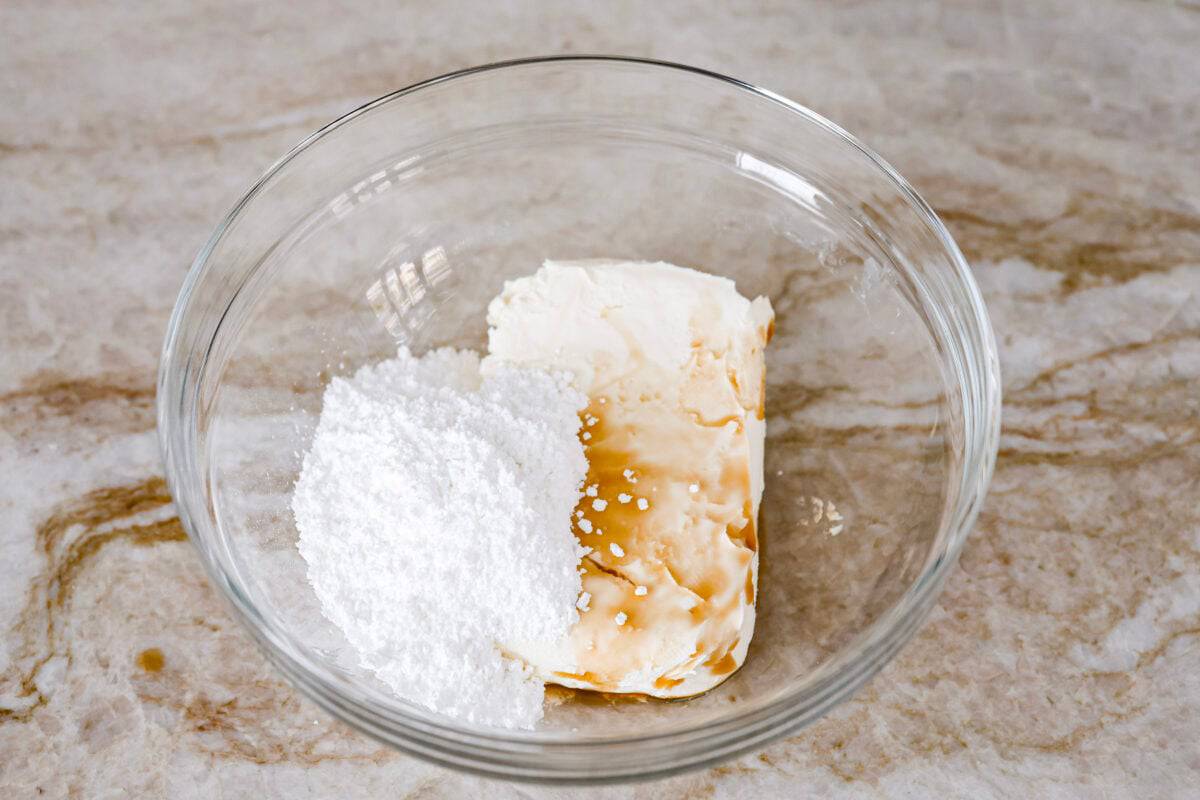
{"x":1060,"y":142}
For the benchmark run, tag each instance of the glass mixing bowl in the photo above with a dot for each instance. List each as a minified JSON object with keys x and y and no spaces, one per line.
{"x":398,"y":222}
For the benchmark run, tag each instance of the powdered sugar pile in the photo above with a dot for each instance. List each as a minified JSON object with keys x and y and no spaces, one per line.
{"x":434,"y":513}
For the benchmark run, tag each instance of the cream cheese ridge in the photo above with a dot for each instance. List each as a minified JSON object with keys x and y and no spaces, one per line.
{"x":672,"y":363}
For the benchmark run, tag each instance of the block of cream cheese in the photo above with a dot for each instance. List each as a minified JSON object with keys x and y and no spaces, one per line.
{"x":672,"y":363}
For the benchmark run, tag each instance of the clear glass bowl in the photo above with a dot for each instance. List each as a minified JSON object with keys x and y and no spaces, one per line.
{"x":398,"y":222}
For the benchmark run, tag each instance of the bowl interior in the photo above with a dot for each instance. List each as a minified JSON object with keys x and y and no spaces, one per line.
{"x":402,"y":222}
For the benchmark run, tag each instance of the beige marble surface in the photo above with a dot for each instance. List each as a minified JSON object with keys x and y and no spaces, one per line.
{"x":1060,"y":141}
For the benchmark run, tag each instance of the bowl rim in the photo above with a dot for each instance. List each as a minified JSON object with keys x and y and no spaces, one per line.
{"x":521,"y":755}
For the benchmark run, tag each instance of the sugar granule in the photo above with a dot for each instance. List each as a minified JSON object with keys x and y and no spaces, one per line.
{"x":428,"y":495}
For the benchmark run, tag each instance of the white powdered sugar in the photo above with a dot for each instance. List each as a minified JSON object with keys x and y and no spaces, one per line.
{"x":434,"y":511}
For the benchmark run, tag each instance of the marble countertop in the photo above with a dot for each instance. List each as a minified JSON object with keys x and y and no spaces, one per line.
{"x":1061,"y":143}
